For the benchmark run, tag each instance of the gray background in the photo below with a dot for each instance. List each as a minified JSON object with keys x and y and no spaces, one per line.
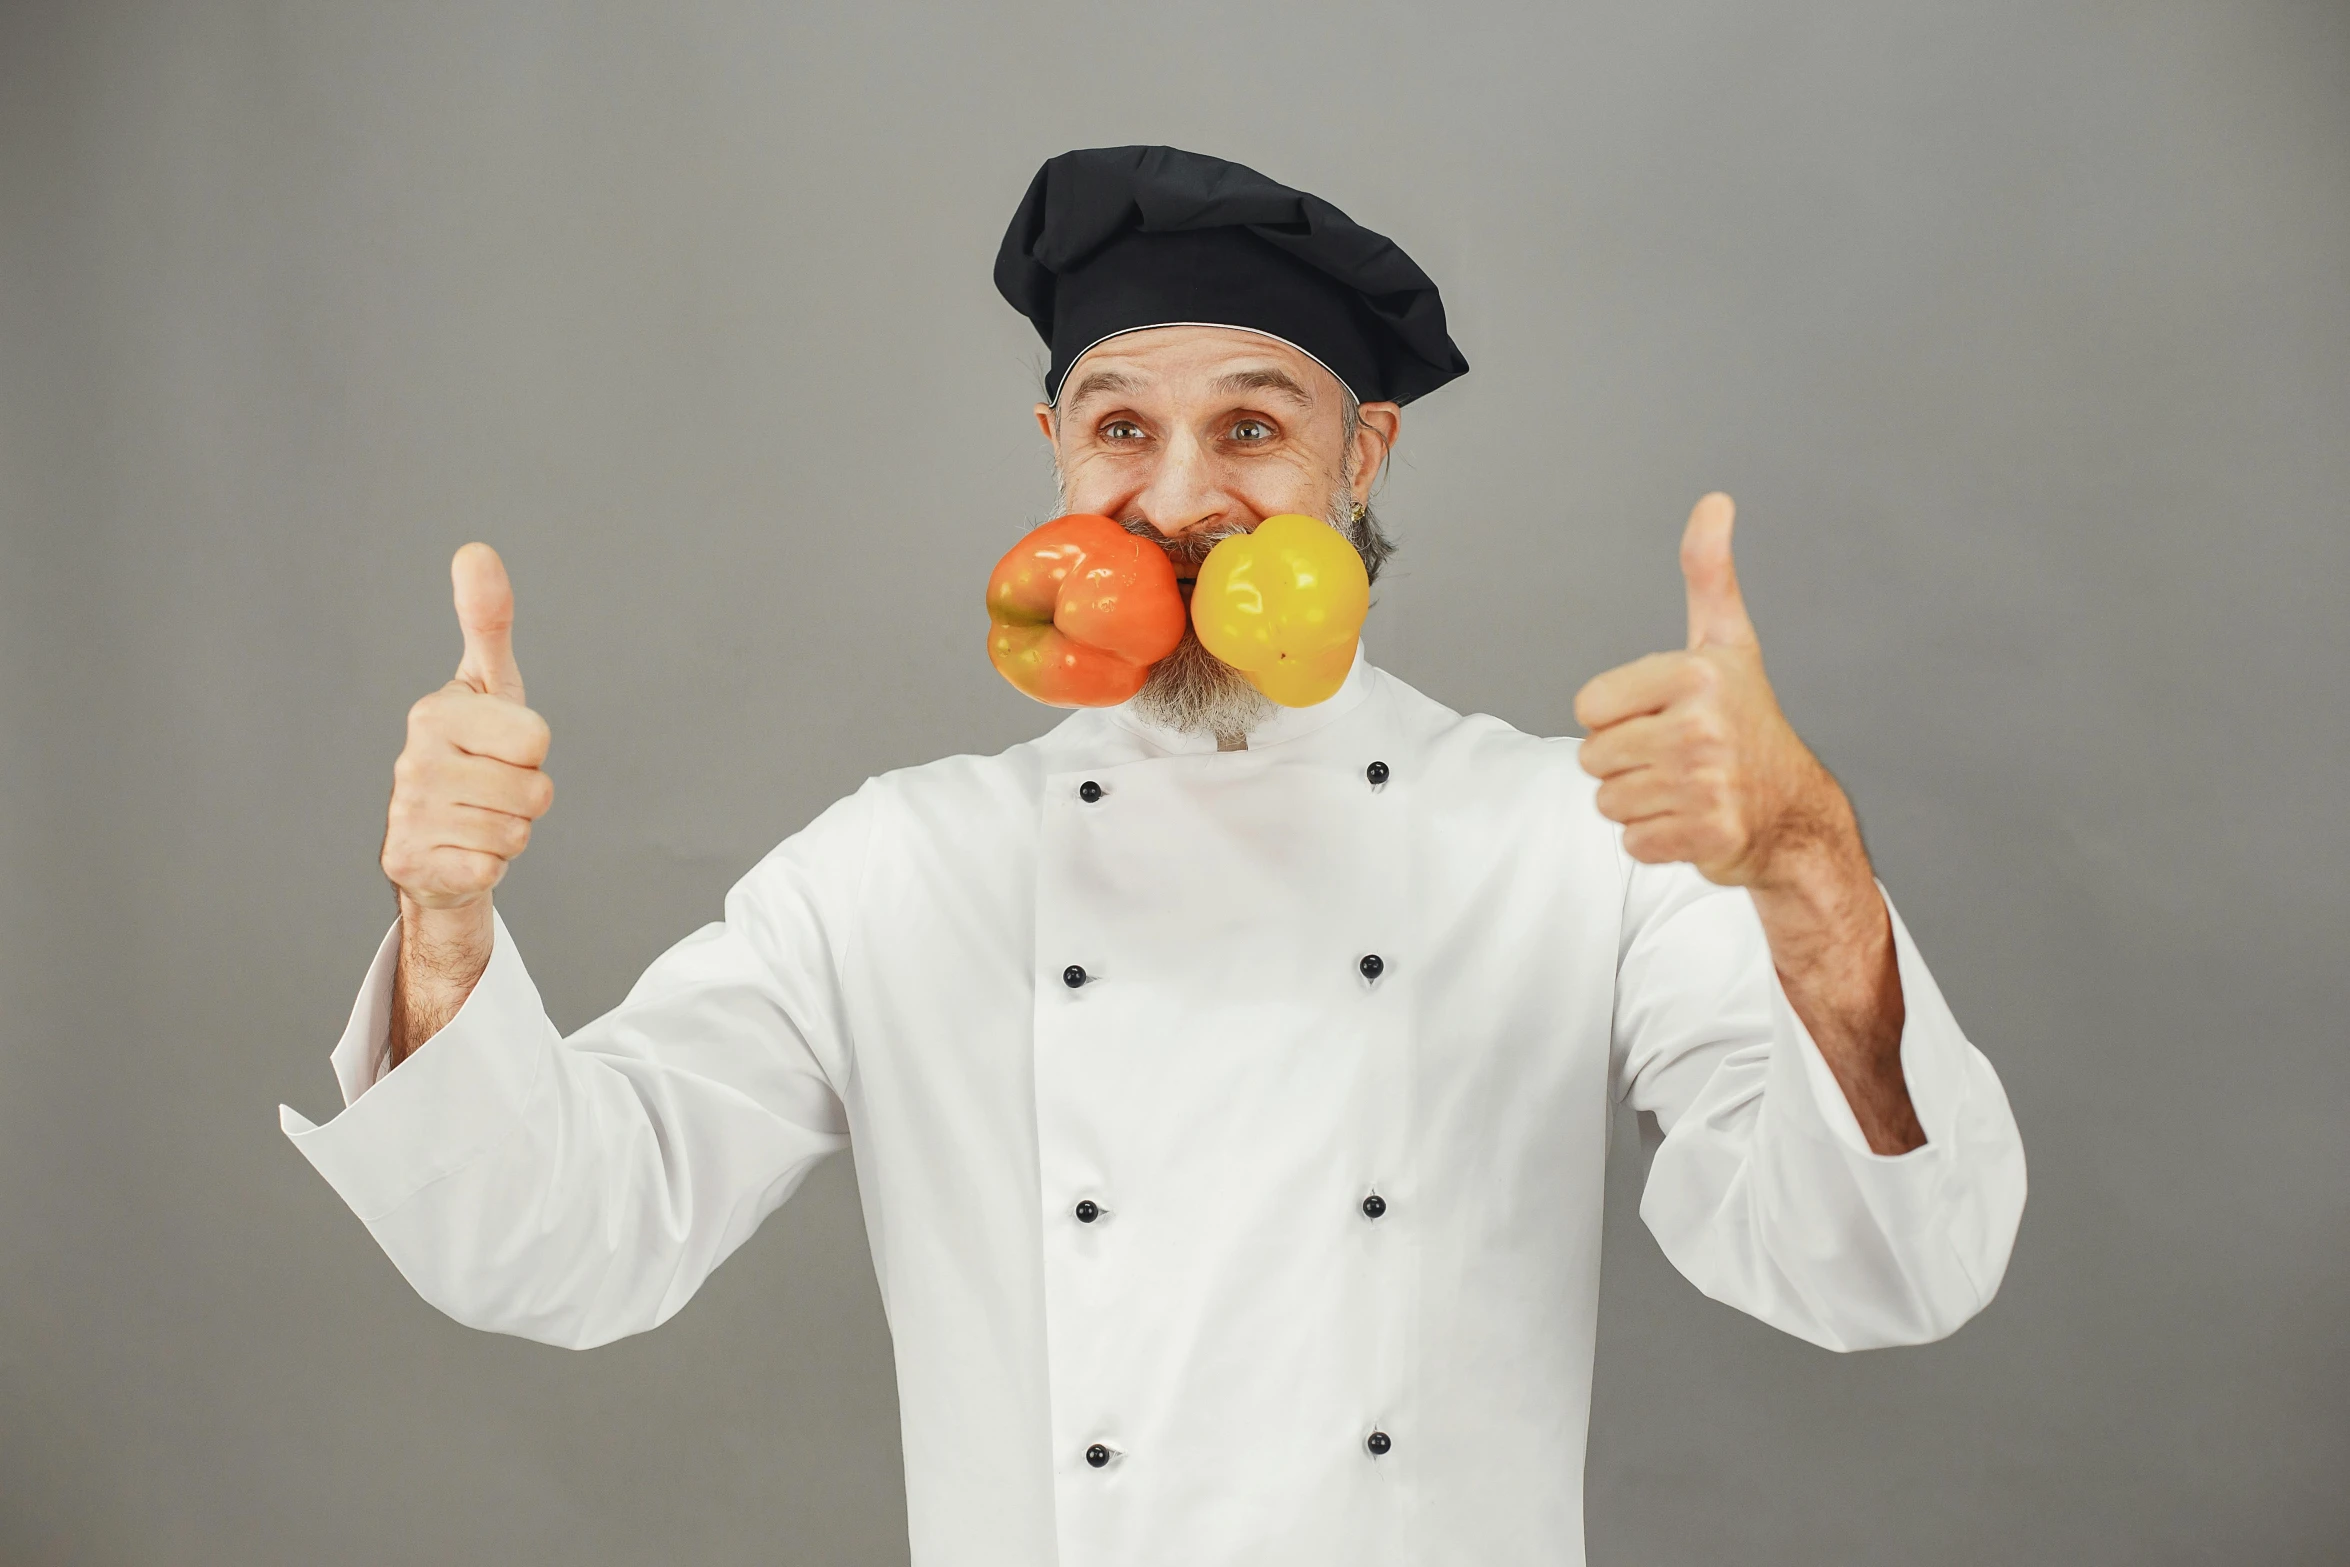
{"x":2020,"y":330}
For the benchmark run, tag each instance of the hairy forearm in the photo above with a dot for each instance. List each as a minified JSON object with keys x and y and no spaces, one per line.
{"x":1831,"y":940}
{"x":442,"y":955}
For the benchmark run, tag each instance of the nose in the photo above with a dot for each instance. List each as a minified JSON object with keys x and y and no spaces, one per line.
{"x":1185,"y":495}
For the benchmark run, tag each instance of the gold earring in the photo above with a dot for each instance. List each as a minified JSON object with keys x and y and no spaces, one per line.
{"x":1361,"y":511}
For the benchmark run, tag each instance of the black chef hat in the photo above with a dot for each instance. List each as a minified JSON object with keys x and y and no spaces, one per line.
{"x":1112,"y":239}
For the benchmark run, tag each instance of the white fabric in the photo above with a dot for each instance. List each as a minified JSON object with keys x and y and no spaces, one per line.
{"x":1228,"y":1087}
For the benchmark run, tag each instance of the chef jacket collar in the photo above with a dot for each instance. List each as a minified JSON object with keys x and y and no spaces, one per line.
{"x":1287,"y":723}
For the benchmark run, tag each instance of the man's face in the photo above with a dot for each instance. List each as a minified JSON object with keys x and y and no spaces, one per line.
{"x":1190,"y":434}
{"x":1200,"y":429}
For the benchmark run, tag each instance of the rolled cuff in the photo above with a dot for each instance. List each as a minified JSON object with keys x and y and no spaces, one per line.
{"x":1947,"y":1211}
{"x":455,"y":1098}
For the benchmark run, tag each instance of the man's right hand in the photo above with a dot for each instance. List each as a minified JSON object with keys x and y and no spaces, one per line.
{"x":465,"y":791}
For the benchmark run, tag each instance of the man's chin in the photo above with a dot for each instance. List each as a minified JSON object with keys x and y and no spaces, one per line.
{"x":1194,"y":692}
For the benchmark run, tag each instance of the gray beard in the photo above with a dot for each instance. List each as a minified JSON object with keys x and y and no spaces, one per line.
{"x":1191,"y":691}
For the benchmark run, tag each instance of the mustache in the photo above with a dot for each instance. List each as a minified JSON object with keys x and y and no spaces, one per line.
{"x":1188,"y":550}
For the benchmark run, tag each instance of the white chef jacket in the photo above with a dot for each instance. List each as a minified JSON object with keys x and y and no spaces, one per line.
{"x":1335,"y":1299}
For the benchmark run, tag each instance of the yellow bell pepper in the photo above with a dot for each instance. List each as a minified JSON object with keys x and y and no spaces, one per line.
{"x":1284,"y":605}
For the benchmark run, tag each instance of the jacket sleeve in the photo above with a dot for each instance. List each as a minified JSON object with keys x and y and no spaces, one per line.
{"x":578,"y":1190}
{"x":1764,"y":1192}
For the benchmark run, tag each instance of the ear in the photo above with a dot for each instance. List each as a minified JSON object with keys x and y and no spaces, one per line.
{"x":1374,"y":439}
{"x":1044,"y":422}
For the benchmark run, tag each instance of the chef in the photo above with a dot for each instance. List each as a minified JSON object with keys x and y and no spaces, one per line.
{"x":1230,"y":1079}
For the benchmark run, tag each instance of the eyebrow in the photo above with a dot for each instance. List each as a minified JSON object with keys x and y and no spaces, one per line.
{"x":1103,"y":381}
{"x":1266,"y":381}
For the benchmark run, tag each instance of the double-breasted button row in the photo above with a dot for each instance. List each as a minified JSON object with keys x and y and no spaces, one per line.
{"x":1086,"y":1211}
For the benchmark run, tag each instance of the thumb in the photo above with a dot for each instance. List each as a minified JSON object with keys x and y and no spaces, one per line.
{"x":1717,"y":611}
{"x":485,"y":613}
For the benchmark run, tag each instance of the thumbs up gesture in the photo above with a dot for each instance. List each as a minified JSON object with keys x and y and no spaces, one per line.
{"x":468,"y":784}
{"x":1694,"y":756}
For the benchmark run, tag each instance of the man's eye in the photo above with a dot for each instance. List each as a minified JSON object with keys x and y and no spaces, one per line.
{"x":1121,"y":430}
{"x":1252,"y":431}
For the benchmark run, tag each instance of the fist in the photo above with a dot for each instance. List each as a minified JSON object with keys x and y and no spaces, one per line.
{"x":1078,"y":611}
{"x":1693,"y":755}
{"x":468,"y":784}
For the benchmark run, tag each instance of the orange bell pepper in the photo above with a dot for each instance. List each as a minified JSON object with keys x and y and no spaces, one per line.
{"x":1079,"y":610}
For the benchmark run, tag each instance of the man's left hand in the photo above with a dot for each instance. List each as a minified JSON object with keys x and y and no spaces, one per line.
{"x":1698,"y":763}
{"x":1695,"y":758}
